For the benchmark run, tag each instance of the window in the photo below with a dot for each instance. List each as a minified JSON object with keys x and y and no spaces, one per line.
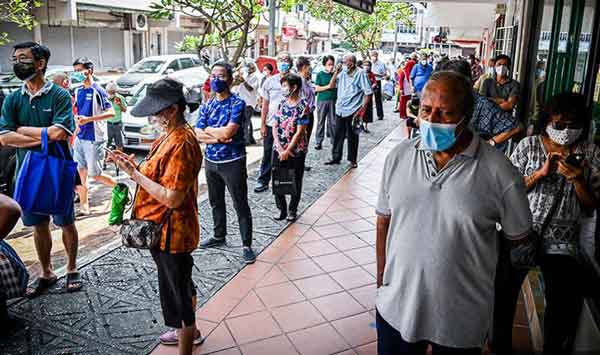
{"x":174,"y":65}
{"x":196,"y":61}
{"x":186,"y":63}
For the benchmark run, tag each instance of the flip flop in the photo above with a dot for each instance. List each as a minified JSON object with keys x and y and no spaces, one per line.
{"x":74,"y":282}
{"x":39,"y":286}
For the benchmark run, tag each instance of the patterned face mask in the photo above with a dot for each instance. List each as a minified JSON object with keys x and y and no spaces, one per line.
{"x":565,"y":136}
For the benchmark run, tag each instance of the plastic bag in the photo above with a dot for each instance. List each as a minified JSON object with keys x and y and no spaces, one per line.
{"x":120,"y":199}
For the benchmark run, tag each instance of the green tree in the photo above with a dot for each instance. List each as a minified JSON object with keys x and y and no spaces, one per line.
{"x":231,"y":23}
{"x":363,"y":31}
{"x":18,"y":12}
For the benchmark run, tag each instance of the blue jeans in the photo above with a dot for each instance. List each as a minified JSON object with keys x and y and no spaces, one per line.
{"x":390,"y":342}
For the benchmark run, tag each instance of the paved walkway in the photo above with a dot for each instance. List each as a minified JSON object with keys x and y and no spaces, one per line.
{"x":312,"y":290}
{"x":118,"y":312}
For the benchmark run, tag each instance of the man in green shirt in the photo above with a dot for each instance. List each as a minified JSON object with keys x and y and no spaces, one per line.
{"x":41,"y":104}
{"x":325,"y":101}
{"x":115,"y":125}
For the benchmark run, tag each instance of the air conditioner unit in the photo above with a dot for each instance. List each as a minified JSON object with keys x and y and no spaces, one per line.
{"x":140,"y":22}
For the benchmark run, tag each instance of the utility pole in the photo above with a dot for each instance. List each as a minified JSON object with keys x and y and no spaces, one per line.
{"x":395,"y":42}
{"x":272,"y":12}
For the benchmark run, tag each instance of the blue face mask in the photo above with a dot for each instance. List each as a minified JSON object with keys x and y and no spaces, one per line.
{"x":77,"y":77}
{"x":218,"y":85}
{"x":283,"y":67}
{"x":437,"y":137}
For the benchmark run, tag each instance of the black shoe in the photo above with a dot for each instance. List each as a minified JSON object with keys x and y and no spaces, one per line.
{"x":292,"y":216}
{"x":353,"y":165}
{"x":380,"y":118}
{"x":249,"y":256}
{"x":307,"y":168}
{"x":261,"y":188}
{"x":318,"y":147}
{"x":332,"y":162}
{"x":211,"y":243}
{"x":281,"y":217}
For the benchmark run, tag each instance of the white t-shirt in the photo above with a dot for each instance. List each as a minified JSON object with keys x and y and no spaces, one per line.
{"x":249,"y":97}
{"x":271,"y":91}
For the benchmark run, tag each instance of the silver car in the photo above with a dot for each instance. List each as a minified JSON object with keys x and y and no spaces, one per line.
{"x":138,"y":132}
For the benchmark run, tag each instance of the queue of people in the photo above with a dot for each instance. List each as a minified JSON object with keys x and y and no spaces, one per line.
{"x":448,"y":285}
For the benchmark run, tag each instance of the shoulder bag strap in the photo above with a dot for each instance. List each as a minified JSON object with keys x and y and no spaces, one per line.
{"x":552,"y":210}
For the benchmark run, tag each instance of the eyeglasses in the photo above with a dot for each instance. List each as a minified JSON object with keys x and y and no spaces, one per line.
{"x":15,"y":60}
{"x":220,"y":77}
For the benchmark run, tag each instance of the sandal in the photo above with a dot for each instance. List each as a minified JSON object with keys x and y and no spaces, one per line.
{"x":39,"y":286}
{"x":74,"y":282}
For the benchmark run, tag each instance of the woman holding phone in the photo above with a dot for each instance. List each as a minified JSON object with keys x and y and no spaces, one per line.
{"x":560,"y":169}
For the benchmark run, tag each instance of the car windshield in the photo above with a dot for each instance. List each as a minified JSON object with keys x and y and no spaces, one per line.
{"x":148,"y":67}
{"x":132,"y":100}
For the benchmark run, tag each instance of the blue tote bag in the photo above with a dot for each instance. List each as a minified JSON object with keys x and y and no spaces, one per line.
{"x":45,"y":184}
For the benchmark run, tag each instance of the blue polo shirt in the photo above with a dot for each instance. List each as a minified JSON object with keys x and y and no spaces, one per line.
{"x":218,"y":114}
{"x":51,"y":106}
{"x":420,"y":75}
{"x":90,"y":102}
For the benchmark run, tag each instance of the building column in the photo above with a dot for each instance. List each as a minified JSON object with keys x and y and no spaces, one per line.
{"x":127,"y":50}
{"x":37,"y":33}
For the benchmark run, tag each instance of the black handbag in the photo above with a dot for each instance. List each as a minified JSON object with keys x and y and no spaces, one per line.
{"x":284,"y":180}
{"x":142,"y":234}
{"x":526,"y":253}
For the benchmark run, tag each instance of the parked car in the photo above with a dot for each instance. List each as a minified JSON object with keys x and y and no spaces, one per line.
{"x":137,"y":130}
{"x":9,"y":82}
{"x":154,"y":68}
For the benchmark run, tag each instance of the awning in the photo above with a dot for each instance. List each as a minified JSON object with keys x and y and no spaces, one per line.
{"x":362,"y":5}
{"x":466,"y":43}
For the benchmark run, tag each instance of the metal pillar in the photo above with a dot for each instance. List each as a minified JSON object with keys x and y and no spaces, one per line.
{"x":272,"y":12}
{"x":395,"y":42}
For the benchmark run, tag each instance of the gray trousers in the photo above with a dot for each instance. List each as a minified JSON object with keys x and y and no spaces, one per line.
{"x":325,"y":112}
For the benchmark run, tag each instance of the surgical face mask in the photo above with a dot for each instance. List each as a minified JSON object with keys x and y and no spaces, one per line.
{"x":78,"y":76}
{"x":345,"y":68}
{"x":566,"y":136}
{"x":283,"y":67}
{"x":541,"y":73}
{"x":285,"y":91}
{"x":423,"y":62}
{"x":218,"y":85}
{"x":438,"y":137}
{"x":24,"y":71}
{"x":502,"y":70}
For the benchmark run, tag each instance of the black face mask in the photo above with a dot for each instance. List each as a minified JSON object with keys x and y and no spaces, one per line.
{"x":24,"y":71}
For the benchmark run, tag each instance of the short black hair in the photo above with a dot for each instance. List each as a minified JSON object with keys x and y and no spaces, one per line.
{"x":268,"y":66}
{"x":85,"y":61}
{"x":457,"y":65}
{"x":566,"y":103}
{"x":328,"y":58}
{"x":302,"y":62}
{"x":505,"y":57}
{"x":39,"y":51}
{"x":292,"y":79}
{"x":228,"y":68}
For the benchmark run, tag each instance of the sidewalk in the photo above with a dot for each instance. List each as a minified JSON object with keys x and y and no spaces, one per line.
{"x":118,"y":312}
{"x":312,"y":291}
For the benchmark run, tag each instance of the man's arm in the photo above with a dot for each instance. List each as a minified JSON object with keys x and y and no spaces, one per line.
{"x":223,"y":133}
{"x":508,"y":104}
{"x":383,"y":226}
{"x":504,"y":136}
{"x":204,"y":137}
{"x":55,"y":133}
{"x":10,"y":212}
{"x":109,"y":113}
{"x":16,"y":140}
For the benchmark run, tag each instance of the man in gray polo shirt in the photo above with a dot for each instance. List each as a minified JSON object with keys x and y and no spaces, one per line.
{"x":441,"y":197}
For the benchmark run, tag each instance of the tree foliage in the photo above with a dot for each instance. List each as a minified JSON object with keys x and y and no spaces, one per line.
{"x":18,"y":12}
{"x":231,"y":23}
{"x":363,"y":31}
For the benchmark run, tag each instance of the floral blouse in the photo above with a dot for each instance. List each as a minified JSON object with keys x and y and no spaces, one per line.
{"x":286,"y":122}
{"x":563,"y":229}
